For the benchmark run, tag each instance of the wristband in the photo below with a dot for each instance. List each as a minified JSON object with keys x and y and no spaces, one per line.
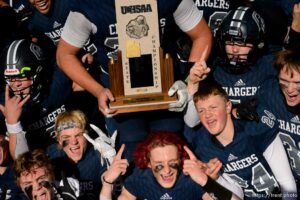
{"x":104,"y":198}
{"x":105,"y":181}
{"x":14,"y":128}
{"x":219,"y":191}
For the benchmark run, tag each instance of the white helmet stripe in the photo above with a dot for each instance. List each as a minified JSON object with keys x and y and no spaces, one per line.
{"x":236,"y":20}
{"x":11,"y":55}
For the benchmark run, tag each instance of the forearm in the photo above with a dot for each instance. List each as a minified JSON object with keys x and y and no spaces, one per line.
{"x":219,"y":191}
{"x":17,"y":140}
{"x":74,"y":69}
{"x":106,"y":192}
{"x":278,"y":161}
{"x":202,"y":42}
{"x":191,"y":118}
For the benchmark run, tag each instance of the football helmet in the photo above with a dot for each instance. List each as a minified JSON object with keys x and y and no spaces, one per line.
{"x":241,"y":27}
{"x":24,"y":61}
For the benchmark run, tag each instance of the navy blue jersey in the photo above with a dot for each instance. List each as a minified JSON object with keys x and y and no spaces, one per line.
{"x":273,"y":112}
{"x":102,"y":14}
{"x":143,"y":185}
{"x":242,"y":159}
{"x":51,"y":24}
{"x":213,"y":11}
{"x":8,"y":186}
{"x":88,"y":170}
{"x":241,"y":87}
{"x":38,"y":118}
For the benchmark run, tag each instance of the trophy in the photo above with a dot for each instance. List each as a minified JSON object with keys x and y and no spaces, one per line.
{"x":142,"y":75}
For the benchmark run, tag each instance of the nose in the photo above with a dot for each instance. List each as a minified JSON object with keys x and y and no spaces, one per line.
{"x":73,"y":140}
{"x":167,"y":169}
{"x":208,"y":113}
{"x":36,"y":186}
{"x":235,"y":48}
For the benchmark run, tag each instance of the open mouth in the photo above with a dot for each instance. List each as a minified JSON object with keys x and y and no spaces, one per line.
{"x":291,"y":98}
{"x":41,"y":196}
{"x":43,"y":5}
{"x":75,"y":150}
{"x":211,"y":123}
{"x":167,"y":178}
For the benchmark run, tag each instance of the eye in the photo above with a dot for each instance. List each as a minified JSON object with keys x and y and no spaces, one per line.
{"x":158,"y":168}
{"x":200,"y":111}
{"x":174,"y":165}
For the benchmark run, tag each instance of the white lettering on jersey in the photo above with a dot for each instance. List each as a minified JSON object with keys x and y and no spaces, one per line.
{"x":241,"y":164}
{"x":222,"y":4}
{"x":240,"y":91}
{"x":289,"y":127}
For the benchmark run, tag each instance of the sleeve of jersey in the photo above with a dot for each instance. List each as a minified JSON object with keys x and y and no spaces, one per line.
{"x":190,"y":135}
{"x":187,"y":15}
{"x":278,"y":162}
{"x":131,"y":184}
{"x":229,"y":184}
{"x":77,"y":29}
{"x":191,"y":118}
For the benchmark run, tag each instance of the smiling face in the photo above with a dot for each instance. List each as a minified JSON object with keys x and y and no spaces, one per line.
{"x":36,"y":184}
{"x":73,"y":143}
{"x":289,"y":81}
{"x":43,"y":6}
{"x":165,"y":165}
{"x":214,"y":112}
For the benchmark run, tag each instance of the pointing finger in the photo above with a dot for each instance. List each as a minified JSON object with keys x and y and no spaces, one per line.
{"x":190,"y":153}
{"x":120,"y":152}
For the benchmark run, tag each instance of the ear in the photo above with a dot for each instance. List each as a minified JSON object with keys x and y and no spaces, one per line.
{"x":149,"y":165}
{"x":228,"y":107}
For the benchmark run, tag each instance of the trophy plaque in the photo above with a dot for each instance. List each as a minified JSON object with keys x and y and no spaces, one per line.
{"x":142,"y":75}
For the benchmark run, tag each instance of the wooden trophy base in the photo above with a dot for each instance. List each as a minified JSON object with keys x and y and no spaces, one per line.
{"x":141,"y":102}
{"x":137,"y":103}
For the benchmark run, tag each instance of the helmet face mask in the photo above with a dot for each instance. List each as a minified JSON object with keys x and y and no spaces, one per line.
{"x":245,"y":29}
{"x":237,"y":55}
{"x":19,"y":86}
{"x":24,"y":66}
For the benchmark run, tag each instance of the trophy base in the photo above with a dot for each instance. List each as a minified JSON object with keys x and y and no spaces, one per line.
{"x":138,"y":103}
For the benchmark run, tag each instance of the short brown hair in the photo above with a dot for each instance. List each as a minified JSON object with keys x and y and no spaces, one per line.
{"x":31,"y":160}
{"x":209,"y":88}
{"x":289,"y":59}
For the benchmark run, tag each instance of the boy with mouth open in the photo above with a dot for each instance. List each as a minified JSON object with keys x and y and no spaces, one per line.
{"x":165,"y":169}
{"x":35,"y":176}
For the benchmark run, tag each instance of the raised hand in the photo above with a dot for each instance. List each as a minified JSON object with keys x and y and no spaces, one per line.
{"x":198,"y":72}
{"x":194,"y":168}
{"x":105,"y":145}
{"x":118,"y":167}
{"x":13,"y":107}
{"x":180,"y":88}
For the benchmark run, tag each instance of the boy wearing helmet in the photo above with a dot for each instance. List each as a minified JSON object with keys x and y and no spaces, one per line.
{"x":35,"y":94}
{"x":241,"y":66}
